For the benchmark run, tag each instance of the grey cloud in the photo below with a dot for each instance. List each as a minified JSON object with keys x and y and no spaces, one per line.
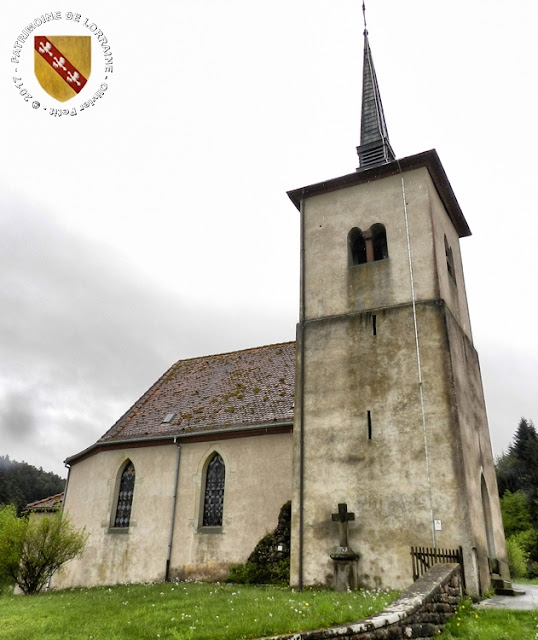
{"x":17,"y":416}
{"x":83,"y":334}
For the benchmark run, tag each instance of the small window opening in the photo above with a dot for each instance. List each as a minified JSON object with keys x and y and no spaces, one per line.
{"x":449,"y":260}
{"x":374,"y":325}
{"x":369,"y":419}
{"x":379,"y":241}
{"x":169,"y":417}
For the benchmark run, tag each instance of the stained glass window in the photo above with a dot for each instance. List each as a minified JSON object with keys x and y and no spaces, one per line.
{"x":214,"y":492}
{"x":125,"y":496}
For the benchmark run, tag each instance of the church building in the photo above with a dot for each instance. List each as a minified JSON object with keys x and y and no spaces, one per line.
{"x":373,"y":423}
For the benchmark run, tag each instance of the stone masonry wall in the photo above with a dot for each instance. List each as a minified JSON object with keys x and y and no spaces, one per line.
{"x":420,"y":612}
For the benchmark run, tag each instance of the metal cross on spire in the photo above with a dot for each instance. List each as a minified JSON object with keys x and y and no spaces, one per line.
{"x":375,"y":146}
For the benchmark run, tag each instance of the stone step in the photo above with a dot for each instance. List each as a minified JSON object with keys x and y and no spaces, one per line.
{"x":504,"y":587}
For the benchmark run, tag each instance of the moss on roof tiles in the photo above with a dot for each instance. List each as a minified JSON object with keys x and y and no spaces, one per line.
{"x":223,"y":391}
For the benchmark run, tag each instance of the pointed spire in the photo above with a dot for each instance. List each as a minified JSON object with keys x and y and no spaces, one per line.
{"x":375,"y":147}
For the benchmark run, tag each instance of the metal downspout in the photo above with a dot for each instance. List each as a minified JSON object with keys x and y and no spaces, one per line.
{"x":68,"y":467}
{"x":173,"y":517}
{"x":419,"y":364}
{"x":301,"y":408}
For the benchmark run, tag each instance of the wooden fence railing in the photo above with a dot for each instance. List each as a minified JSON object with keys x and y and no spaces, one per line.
{"x":423,"y":558}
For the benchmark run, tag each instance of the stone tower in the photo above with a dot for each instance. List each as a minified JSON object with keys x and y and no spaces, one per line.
{"x":389,"y":415}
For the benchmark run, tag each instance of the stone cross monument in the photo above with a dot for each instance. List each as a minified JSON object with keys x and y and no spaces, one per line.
{"x":343,"y":517}
{"x":345,"y":559}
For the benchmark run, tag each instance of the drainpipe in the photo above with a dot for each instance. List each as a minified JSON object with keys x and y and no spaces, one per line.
{"x":301,"y":332}
{"x":173,"y":517}
{"x":68,"y":467}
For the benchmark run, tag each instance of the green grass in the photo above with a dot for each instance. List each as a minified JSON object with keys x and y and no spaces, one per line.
{"x":180,"y":610}
{"x":492,"y":624}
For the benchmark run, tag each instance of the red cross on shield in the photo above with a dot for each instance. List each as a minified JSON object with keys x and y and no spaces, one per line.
{"x":62,"y":64}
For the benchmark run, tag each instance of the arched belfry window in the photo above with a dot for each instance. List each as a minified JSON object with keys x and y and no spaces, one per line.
{"x":367,"y":246}
{"x":125,"y":496}
{"x":379,"y":242}
{"x":356,"y":247}
{"x":214,"y":492}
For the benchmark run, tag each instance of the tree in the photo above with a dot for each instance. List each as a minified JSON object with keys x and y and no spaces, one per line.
{"x":517,"y":478}
{"x":32,"y":550}
{"x":10,"y":532}
{"x":515,"y":513}
{"x":517,"y":469}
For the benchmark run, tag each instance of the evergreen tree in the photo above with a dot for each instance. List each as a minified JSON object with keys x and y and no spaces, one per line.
{"x":525,"y":451}
{"x":517,"y":470}
{"x":517,"y":478}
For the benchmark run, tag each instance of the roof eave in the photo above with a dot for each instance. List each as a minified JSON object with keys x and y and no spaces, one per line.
{"x":428,"y":159}
{"x":228,"y":432}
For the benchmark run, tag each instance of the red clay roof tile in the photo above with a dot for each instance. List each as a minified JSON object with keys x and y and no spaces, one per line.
{"x":53,"y":503}
{"x":218,"y":392}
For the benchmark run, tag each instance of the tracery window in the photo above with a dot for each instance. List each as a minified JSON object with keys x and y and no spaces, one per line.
{"x":367,"y":246}
{"x":214,"y":492}
{"x":125,"y":496}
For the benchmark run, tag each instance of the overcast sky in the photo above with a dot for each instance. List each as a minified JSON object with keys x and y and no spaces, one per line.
{"x":155,"y":225}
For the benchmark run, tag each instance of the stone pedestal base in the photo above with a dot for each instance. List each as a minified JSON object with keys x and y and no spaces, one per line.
{"x":345,"y":570}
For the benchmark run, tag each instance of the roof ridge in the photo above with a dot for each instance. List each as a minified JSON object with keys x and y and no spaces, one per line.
{"x":228,"y":353}
{"x":37,"y":502}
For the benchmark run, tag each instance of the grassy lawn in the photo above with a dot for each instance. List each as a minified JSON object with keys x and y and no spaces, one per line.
{"x":472,"y":624}
{"x":182,"y":610}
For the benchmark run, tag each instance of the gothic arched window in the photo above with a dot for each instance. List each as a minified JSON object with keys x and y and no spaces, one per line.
{"x":125,"y":496}
{"x":356,"y":247}
{"x":214,"y":492}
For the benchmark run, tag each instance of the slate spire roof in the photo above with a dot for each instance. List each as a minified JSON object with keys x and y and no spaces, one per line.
{"x":375,"y":146}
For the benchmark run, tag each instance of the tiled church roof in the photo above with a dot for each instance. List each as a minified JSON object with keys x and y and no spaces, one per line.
{"x":218,"y":392}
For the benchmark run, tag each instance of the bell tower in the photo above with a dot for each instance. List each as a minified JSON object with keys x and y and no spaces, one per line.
{"x":390,"y":417}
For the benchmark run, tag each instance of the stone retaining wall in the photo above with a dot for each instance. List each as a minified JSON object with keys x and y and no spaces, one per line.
{"x":420,"y":612}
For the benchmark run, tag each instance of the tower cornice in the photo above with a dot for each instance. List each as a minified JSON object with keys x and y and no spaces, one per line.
{"x":427,"y":159}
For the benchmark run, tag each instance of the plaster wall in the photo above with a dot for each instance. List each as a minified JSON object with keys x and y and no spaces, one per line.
{"x":363,"y":433}
{"x":399,"y":474}
{"x":134,"y":554}
{"x":331,"y":287}
{"x":258,"y":483}
{"x":450,"y":288}
{"x":478,"y":466}
{"x":139,"y":552}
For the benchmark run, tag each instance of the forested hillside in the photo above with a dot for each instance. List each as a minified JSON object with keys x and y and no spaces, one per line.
{"x":21,"y":483}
